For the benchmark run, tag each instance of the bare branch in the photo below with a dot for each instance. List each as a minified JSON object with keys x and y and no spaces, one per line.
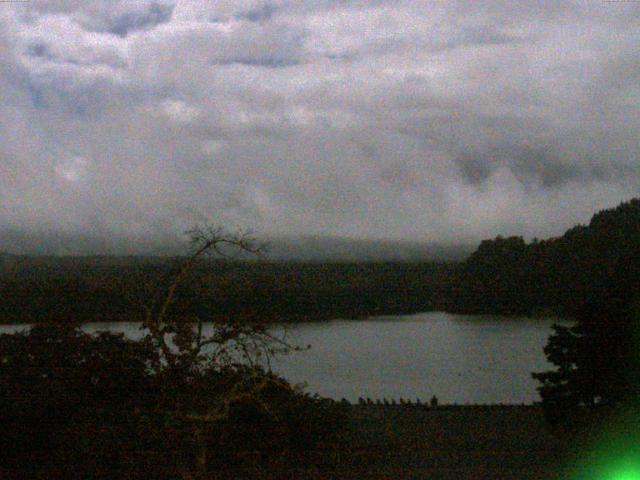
{"x":185,"y":341}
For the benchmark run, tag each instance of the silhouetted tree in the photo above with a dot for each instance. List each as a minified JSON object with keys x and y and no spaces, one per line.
{"x":597,"y":360}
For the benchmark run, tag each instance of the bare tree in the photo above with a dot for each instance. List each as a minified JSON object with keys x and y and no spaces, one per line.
{"x":183,"y":342}
{"x":188,"y":348}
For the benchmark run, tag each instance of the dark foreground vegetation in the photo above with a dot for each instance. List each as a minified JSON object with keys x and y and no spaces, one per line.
{"x":178,"y":403}
{"x":80,"y":407}
{"x":75,"y":406}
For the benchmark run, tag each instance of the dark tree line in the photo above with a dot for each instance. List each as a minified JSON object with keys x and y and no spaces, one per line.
{"x":107,"y":289}
{"x":597,"y":359}
{"x":557,"y":276}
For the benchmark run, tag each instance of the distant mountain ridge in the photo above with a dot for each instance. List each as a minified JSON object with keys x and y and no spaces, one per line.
{"x":309,"y":248}
{"x":318,"y":248}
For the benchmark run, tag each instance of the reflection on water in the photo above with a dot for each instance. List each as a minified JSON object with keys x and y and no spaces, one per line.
{"x":463,"y":359}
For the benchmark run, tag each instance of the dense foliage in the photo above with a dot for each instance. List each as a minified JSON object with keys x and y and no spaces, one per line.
{"x":560,"y":275}
{"x":597,"y":364}
{"x":74,"y":405}
{"x":53,"y":376}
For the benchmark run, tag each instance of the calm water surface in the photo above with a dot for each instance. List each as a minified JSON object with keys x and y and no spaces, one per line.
{"x":462,"y":359}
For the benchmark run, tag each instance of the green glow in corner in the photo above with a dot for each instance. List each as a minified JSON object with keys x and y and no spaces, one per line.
{"x":612,"y":452}
{"x":627,"y":472}
{"x":612,"y":468}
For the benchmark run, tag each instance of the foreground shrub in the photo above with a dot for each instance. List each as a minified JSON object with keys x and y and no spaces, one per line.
{"x":53,"y":375}
{"x":74,"y":405}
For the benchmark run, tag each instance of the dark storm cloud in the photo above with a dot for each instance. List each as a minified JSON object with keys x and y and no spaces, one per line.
{"x":482,"y":35}
{"x":408,"y":119}
{"x":531,"y":165}
{"x":155,"y":14}
{"x":261,"y":13}
{"x":475,"y":167}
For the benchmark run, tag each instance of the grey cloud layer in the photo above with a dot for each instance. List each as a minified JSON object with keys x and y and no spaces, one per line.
{"x":428,"y":120}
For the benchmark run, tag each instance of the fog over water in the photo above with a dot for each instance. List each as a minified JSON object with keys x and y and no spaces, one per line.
{"x":438,"y":121}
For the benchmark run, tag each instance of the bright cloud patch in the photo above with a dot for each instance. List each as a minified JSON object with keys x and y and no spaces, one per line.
{"x":179,"y":112}
{"x":72,"y":169}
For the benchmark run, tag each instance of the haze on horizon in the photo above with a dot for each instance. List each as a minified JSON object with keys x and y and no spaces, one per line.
{"x":435,"y":121}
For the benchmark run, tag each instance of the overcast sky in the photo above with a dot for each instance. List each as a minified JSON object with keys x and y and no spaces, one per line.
{"x":423,"y":120}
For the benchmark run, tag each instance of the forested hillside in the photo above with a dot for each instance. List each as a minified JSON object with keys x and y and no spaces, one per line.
{"x":558,"y":275}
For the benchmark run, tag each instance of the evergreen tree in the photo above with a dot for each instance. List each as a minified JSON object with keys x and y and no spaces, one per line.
{"x":598,"y":358}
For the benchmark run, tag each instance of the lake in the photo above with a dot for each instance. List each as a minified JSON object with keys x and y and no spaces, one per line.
{"x":458,"y":358}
